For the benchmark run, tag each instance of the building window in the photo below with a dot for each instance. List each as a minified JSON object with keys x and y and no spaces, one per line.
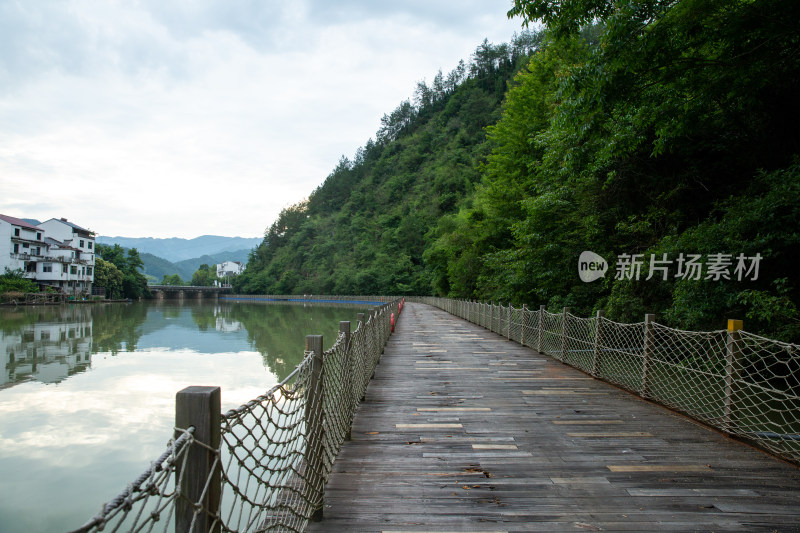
{"x":88,"y":271}
{"x":16,"y":247}
{"x":73,"y":269}
{"x":38,"y":236}
{"x":38,"y":250}
{"x":80,"y":245}
{"x":47,"y":267}
{"x":16,"y":232}
{"x":25,"y":245}
{"x":89,"y":244}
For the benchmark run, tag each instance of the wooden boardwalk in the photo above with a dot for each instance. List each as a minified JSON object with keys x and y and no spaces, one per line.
{"x":465,"y":431}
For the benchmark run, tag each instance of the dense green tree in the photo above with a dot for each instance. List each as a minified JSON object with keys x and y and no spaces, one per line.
{"x":654,"y":140}
{"x":173,"y":280}
{"x":204,"y":276}
{"x":113,"y":254}
{"x":134,"y":284}
{"x":15,"y":281}
{"x":108,"y":276}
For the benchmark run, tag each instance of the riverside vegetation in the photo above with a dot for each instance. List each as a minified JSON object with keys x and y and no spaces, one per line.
{"x":636,"y":127}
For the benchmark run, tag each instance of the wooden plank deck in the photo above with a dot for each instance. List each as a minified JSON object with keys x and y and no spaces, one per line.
{"x":465,"y":431}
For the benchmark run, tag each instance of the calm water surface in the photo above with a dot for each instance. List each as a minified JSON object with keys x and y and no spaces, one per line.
{"x":87,"y":391}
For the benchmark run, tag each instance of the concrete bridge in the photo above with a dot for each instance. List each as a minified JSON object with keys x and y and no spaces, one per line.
{"x":180,"y":292}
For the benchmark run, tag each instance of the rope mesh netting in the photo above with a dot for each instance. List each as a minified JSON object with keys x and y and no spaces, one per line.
{"x":275,"y":453}
{"x":740,"y":383}
{"x":550,"y":334}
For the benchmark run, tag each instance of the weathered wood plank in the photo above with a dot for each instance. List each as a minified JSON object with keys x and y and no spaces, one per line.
{"x":659,"y":468}
{"x":587,"y":422}
{"x":609,"y":434}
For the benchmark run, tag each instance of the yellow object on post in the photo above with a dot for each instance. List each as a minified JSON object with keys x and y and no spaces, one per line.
{"x":735,"y":325}
{"x":733,"y":364}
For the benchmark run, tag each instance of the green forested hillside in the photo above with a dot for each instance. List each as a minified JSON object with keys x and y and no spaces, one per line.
{"x":664,"y":134}
{"x":363,"y":231}
{"x":155,"y":268}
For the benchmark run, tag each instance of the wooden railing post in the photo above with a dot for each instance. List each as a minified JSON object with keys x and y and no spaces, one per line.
{"x":542,"y":310}
{"x":491,"y":317}
{"x":344,"y":327}
{"x":362,"y":324}
{"x":564,"y":332}
{"x":733,"y":365}
{"x":377,"y":339}
{"x":509,"y":321}
{"x":522,"y":324}
{"x":314,"y":418}
{"x":199,"y":407}
{"x":598,"y":340}
{"x":649,"y":318}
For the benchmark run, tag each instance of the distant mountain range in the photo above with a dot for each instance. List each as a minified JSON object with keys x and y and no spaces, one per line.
{"x":165,"y":257}
{"x":158,"y":267}
{"x":176,"y":249}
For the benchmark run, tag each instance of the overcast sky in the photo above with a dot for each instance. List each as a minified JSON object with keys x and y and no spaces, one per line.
{"x":180,"y":118}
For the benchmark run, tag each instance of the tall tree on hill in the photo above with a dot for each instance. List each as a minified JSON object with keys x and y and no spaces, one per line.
{"x":134,"y":284}
{"x":173,"y":280}
{"x":108,"y":276}
{"x":205,"y":276}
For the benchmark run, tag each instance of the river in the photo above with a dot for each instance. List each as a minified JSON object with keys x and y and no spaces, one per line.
{"x":87,"y":391}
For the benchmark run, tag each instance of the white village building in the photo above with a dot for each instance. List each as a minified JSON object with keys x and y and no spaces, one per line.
{"x":229,"y":268}
{"x":55,"y":253}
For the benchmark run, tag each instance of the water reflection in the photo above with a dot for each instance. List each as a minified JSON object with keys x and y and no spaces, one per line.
{"x":87,"y":391}
{"x":50,"y":344}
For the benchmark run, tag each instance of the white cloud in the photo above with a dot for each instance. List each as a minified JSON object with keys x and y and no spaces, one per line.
{"x":187,"y":118}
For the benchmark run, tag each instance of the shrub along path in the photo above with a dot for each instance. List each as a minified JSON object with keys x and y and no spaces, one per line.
{"x":463,"y":430}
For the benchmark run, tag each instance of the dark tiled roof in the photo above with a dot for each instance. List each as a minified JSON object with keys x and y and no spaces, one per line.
{"x":19,"y":222}
{"x":74,"y":226}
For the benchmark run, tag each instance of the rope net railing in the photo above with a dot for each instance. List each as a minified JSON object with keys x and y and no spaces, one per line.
{"x":261,"y":466}
{"x":318,"y":299}
{"x":743,"y":384}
